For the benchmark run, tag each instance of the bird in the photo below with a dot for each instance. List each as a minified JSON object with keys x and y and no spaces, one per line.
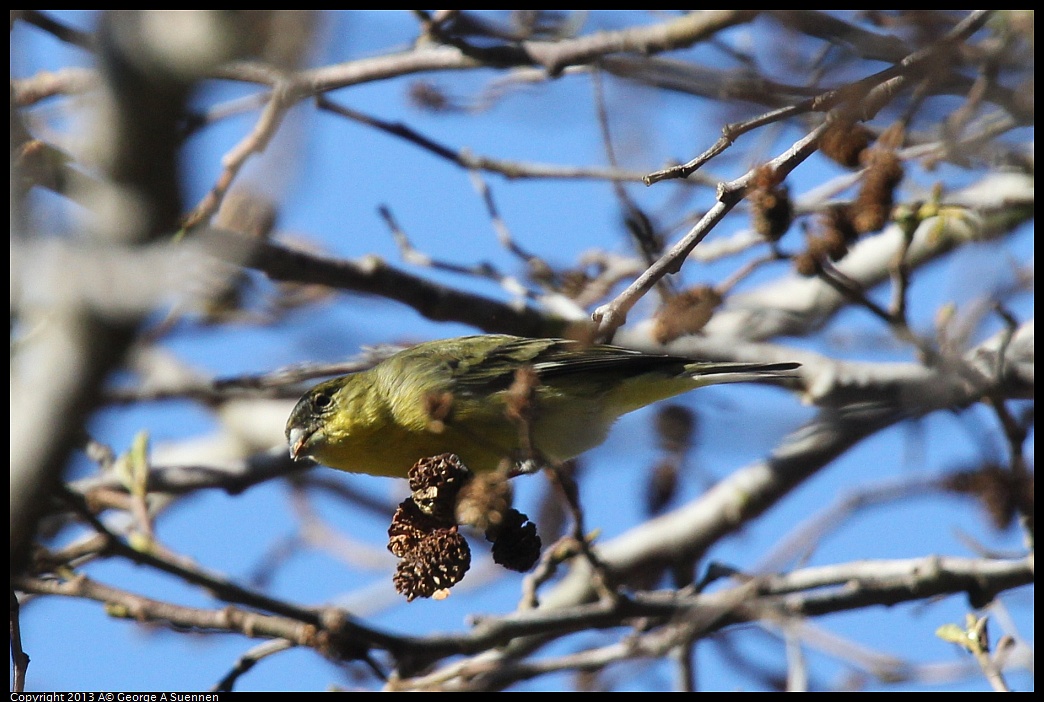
{"x":491,"y":397}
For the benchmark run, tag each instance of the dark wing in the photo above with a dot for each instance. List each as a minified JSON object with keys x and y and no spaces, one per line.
{"x":611,"y":362}
{"x":494,"y":369}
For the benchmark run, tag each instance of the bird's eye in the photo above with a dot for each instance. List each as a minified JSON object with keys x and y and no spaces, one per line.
{"x":322,"y":400}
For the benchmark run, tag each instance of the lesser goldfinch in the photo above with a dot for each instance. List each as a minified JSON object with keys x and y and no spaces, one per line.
{"x":491,"y":397}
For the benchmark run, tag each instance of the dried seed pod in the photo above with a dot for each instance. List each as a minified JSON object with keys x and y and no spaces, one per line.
{"x":771,"y":211}
{"x":437,"y":563}
{"x":686,"y":313}
{"x":516,"y":544}
{"x":873,"y":205}
{"x":424,"y":530}
{"x":844,"y":143}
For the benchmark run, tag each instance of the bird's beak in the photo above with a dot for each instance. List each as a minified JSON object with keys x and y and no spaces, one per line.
{"x":297,"y":437}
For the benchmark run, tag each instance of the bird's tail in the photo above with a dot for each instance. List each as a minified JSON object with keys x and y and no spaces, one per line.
{"x":714,"y":373}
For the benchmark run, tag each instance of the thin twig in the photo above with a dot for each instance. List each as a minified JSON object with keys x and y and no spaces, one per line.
{"x":856,"y":94}
{"x":283,"y":96}
{"x":640,"y":227}
{"x":249,"y":659}
{"x":569,"y":490}
{"x":473,"y":162}
{"x":19,"y":658}
{"x":611,"y":316}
